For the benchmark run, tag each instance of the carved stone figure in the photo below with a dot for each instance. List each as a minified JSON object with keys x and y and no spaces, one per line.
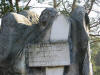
{"x":19,"y":33}
{"x":32,"y":16}
{"x":16,"y":32}
{"x":12,"y":30}
{"x":79,"y":41}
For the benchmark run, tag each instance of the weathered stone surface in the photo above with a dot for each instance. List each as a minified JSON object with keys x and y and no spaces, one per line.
{"x":32,"y":16}
{"x":79,"y":42}
{"x":47,"y":17}
{"x":12,"y":40}
{"x":45,"y":21}
{"x":12,"y":28}
{"x":60,"y":29}
{"x":52,"y":54}
{"x":54,"y":70}
{"x":16,"y":32}
{"x":49,"y":54}
{"x":54,"y":49}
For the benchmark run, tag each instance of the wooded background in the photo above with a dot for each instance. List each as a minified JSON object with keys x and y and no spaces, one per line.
{"x":66,"y":7}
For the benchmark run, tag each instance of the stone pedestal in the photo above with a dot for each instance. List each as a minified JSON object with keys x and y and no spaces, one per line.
{"x":54,"y":70}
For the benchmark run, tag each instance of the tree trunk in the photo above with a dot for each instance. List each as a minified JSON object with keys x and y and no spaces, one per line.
{"x":54,"y":3}
{"x":11,"y":5}
{"x":17,"y":5}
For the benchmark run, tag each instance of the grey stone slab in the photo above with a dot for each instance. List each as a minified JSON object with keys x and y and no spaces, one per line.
{"x":55,"y":54}
{"x":54,"y":70}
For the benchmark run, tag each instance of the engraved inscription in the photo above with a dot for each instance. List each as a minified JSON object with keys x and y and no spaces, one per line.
{"x":55,"y":54}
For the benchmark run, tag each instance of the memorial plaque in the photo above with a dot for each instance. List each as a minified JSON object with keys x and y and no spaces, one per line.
{"x":49,"y":54}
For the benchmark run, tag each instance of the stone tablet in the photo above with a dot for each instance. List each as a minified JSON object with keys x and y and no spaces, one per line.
{"x":60,"y":29}
{"x":45,"y":54}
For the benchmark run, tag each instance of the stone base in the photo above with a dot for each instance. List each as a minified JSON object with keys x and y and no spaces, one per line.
{"x":46,"y":71}
{"x":54,"y":70}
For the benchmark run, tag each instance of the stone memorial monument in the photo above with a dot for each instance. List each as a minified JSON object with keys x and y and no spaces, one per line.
{"x":55,"y":45}
{"x":53,"y":52}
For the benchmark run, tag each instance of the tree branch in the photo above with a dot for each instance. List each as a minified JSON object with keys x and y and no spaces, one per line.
{"x":94,"y":25}
{"x":92,"y":2}
{"x":94,"y":35}
{"x":27,"y":4}
{"x":94,"y":41}
{"x":86,"y":4}
{"x":11,"y":5}
{"x":64,"y":5}
{"x":58,"y":4}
